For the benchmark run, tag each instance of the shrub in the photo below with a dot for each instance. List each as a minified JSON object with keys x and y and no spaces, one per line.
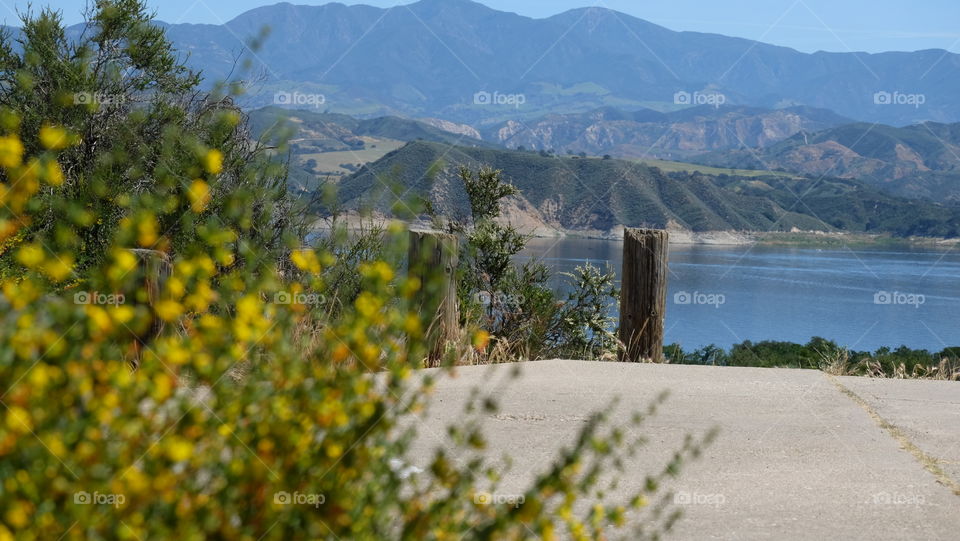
{"x":515,"y":303}
{"x":252,"y":416}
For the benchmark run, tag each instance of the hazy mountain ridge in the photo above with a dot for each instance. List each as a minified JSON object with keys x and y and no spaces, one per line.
{"x":648,"y":133}
{"x":428,"y":59}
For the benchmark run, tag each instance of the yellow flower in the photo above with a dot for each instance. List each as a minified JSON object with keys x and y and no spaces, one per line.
{"x":306,"y":260}
{"x":147,"y":231}
{"x":100,"y":318}
{"x":213,"y":161}
{"x":11,"y":151}
{"x":125,"y":260}
{"x":480,"y":340}
{"x":169,"y":310}
{"x":56,"y":446}
{"x":18,"y":515}
{"x":162,"y":387}
{"x":30,"y":255}
{"x":334,"y":450}
{"x":54,"y":138}
{"x":136,"y":480}
{"x":199,"y":195}
{"x":59,"y":268}
{"x":54,"y":174}
{"x":18,"y":420}
{"x":122,"y":314}
{"x":179,"y":449}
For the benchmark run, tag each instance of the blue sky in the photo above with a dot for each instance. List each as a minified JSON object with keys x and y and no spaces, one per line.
{"x":806,"y":25}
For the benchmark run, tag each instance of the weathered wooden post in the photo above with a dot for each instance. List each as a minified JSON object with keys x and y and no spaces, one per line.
{"x":433,"y":258}
{"x":643,"y":294}
{"x":156,"y":269}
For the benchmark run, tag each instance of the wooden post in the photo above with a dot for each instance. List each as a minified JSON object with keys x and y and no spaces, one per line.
{"x":156,"y":269}
{"x":433,"y":258}
{"x":643,"y":294}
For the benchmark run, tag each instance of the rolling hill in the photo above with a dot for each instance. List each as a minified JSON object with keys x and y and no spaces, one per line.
{"x":330,"y":144}
{"x":919,"y":161}
{"x":598,"y":195}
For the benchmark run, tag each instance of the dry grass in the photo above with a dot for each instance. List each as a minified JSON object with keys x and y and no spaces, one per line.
{"x":836,"y":362}
{"x":945,"y":370}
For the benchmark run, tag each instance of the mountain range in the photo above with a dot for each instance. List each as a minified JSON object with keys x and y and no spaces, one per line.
{"x":464,"y":62}
{"x":674,"y":135}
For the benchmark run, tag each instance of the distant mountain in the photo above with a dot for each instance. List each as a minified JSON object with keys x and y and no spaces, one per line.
{"x":648,"y":133}
{"x":597,"y":195}
{"x":916,"y":161}
{"x":459,"y":60}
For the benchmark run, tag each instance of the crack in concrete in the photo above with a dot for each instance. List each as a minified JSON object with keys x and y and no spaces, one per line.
{"x":928,"y":462}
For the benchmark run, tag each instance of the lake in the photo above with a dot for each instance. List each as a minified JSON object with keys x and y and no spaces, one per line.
{"x":860,"y":298}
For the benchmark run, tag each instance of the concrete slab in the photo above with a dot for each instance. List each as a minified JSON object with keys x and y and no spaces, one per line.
{"x":796,"y":457}
{"x":926,"y":412}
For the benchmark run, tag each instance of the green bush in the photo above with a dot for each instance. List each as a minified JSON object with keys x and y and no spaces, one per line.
{"x":253,"y":415}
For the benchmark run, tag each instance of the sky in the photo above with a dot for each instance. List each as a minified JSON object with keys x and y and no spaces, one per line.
{"x":805,"y":25}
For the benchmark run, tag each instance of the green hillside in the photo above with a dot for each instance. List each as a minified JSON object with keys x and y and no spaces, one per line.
{"x":920,"y":161}
{"x":598,"y":194}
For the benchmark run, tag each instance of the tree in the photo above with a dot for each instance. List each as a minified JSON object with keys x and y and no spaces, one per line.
{"x":122,"y":90}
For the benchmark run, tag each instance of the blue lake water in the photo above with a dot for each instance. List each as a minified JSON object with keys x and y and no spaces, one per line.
{"x":861,"y":298}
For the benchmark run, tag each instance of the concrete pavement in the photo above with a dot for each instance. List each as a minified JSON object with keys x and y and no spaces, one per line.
{"x":800,"y":455}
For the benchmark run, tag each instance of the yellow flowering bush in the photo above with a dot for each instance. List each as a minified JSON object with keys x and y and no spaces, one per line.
{"x":165,"y":373}
{"x":249,"y":417}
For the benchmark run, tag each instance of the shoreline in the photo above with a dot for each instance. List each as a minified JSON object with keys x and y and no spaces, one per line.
{"x":683,"y":237}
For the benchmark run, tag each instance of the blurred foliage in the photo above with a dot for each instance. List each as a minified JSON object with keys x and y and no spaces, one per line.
{"x":262,"y":410}
{"x":820,"y":353}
